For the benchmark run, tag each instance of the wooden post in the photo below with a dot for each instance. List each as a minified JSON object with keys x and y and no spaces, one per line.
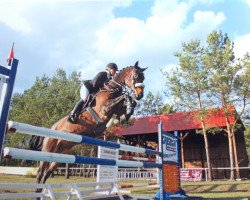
{"x":67,"y":171}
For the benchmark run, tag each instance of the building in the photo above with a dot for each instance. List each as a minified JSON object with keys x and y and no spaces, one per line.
{"x":143,"y":132}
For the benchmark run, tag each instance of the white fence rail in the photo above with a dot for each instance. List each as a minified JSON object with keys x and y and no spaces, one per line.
{"x":220,"y":169}
{"x":123,"y":173}
{"x":134,"y":173}
{"x":81,"y":191}
{"x":126,"y":173}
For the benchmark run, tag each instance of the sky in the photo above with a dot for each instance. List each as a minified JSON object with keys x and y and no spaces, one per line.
{"x":85,"y":36}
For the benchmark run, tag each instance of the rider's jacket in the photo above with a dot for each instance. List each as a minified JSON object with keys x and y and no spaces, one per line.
{"x":95,"y":84}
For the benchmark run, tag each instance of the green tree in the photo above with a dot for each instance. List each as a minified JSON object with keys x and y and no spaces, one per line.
{"x":228,"y":84}
{"x":150,"y":105}
{"x":246,"y":121}
{"x":166,"y":109}
{"x":48,"y":100}
{"x":247,"y":139}
{"x":188,"y":85}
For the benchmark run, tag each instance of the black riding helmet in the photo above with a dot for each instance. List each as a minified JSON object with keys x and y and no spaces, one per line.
{"x":112,"y":66}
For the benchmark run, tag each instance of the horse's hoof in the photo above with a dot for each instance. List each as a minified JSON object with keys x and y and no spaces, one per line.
{"x":116,"y":121}
{"x":122,"y":118}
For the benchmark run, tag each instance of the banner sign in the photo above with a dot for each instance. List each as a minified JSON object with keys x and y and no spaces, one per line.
{"x":169,"y":148}
{"x":191,"y":174}
{"x":107,"y":173}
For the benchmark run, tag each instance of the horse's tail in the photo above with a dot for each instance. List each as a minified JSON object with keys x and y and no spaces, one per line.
{"x":36,"y":143}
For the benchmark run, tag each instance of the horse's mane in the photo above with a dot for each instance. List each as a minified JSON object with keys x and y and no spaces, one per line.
{"x":121,"y":73}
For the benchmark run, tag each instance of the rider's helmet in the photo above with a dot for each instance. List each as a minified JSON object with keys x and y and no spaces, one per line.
{"x":111,"y":66}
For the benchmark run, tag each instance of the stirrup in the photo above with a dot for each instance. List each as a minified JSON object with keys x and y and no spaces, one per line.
{"x":72,"y":119}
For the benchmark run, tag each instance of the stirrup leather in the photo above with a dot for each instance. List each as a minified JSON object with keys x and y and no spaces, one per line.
{"x":93,"y":114}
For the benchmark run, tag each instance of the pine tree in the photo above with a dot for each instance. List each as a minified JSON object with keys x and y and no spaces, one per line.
{"x":188,"y":85}
{"x":228,"y":84}
{"x":149,"y":105}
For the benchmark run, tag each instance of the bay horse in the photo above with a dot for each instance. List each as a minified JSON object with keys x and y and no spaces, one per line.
{"x":109,"y":102}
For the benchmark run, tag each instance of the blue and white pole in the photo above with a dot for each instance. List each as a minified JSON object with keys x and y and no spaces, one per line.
{"x":15,"y":153}
{"x":45,"y":132}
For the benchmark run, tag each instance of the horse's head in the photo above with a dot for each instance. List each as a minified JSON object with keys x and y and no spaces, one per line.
{"x":134,"y":80}
{"x":131,"y":77}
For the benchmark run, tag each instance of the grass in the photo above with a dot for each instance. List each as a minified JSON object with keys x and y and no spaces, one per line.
{"x":213,"y":189}
{"x":218,"y":189}
{"x":29,"y":179}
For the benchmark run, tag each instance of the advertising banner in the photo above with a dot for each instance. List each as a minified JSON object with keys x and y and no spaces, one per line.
{"x":191,"y":174}
{"x":107,"y":173}
{"x":169,"y":148}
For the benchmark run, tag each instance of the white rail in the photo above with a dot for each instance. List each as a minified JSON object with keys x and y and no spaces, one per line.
{"x":71,"y":190}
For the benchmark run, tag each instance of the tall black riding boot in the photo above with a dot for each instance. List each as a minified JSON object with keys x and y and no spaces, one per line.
{"x":76,"y":110}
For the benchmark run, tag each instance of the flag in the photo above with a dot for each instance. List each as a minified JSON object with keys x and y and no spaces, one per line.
{"x":11,"y":55}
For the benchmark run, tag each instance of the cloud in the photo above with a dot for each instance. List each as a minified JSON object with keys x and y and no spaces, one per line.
{"x":207,"y":2}
{"x":85,"y":36}
{"x":154,"y":41}
{"x":242,"y":45}
{"x":204,"y":22}
{"x":52,"y":34}
{"x":13,"y":15}
{"x":247,"y":2}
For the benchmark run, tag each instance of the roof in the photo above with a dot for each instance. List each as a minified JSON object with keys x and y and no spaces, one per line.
{"x":176,"y":122}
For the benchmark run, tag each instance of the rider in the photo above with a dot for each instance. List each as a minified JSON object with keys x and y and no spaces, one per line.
{"x":91,"y":87}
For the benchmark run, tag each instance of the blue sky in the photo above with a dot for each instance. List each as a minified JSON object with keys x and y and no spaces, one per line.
{"x":87,"y":35}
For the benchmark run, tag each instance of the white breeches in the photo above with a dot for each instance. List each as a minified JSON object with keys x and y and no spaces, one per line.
{"x":84,"y":92}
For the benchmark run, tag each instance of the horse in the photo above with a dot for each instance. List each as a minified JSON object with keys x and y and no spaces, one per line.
{"x":110,"y":103}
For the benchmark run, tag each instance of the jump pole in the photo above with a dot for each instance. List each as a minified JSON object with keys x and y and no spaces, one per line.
{"x":45,"y":132}
{"x":168,"y":165}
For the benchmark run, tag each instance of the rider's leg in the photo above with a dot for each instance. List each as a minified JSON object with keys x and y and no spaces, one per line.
{"x":79,"y":105}
{"x":77,"y":109}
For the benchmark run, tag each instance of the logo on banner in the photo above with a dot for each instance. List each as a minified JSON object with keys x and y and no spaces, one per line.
{"x":170,"y":143}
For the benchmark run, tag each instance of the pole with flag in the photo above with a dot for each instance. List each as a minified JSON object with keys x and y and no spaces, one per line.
{"x":11,"y":55}
{"x":10,"y":75}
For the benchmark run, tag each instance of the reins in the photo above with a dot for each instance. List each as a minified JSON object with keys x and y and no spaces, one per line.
{"x":114,"y":89}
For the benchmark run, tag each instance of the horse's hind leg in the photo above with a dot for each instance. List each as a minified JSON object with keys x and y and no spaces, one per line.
{"x":42,"y":166}
{"x":63,"y":148}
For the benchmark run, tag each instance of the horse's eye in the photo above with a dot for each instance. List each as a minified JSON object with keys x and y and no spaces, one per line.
{"x":135,"y":76}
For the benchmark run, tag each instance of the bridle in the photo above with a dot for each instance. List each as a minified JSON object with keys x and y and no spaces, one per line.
{"x":133,"y":78}
{"x":123,"y":87}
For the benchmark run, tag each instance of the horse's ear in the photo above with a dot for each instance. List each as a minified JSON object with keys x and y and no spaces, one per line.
{"x":143,"y":69}
{"x":136,"y":64}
